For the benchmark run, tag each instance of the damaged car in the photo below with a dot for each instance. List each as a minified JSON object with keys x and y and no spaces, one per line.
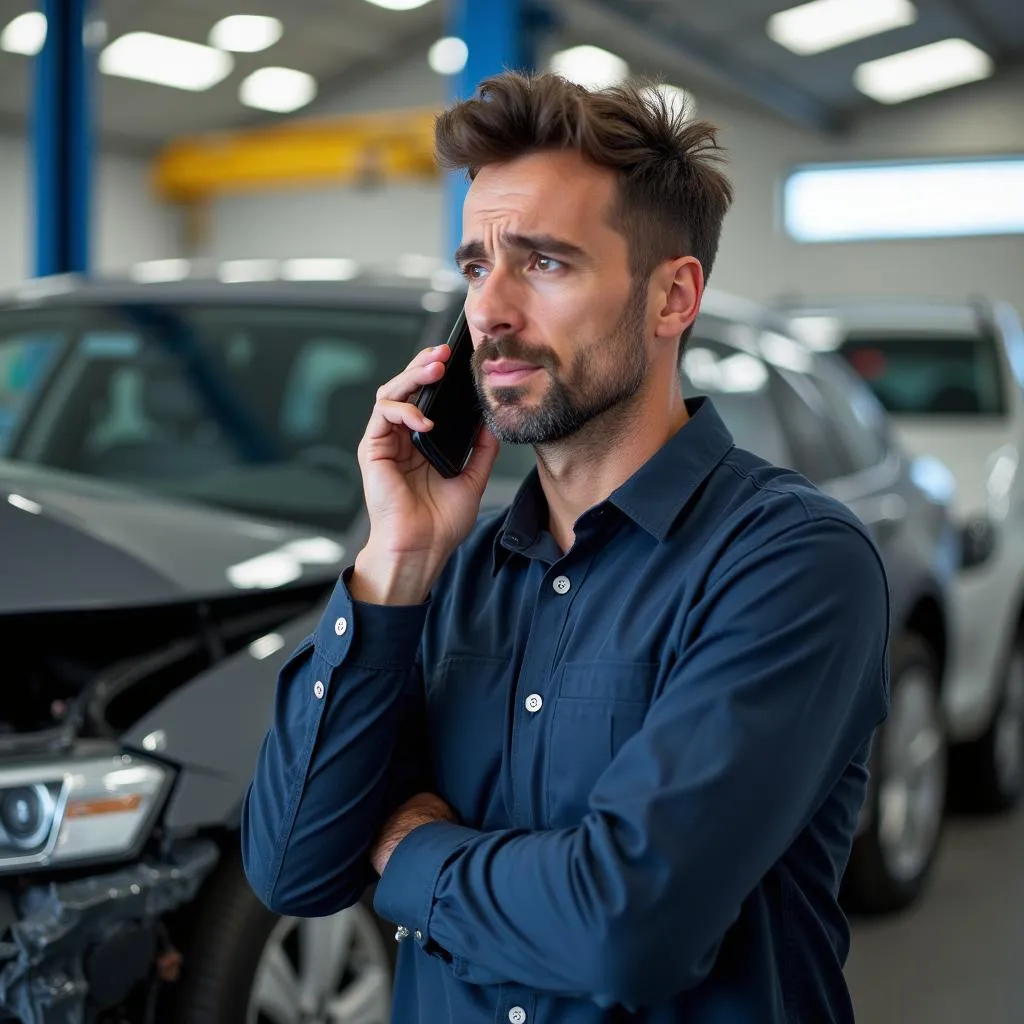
{"x":178,"y":491}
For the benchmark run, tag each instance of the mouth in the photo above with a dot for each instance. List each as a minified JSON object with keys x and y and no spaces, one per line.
{"x":507,"y":372}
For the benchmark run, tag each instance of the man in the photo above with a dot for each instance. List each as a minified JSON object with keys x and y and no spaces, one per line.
{"x":606,"y":751}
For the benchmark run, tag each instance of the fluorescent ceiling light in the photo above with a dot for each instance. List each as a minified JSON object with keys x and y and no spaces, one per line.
{"x":26,"y":34}
{"x":315,"y":269}
{"x":176,"y":63}
{"x":590,"y":66}
{"x":923,"y":70}
{"x":246,"y":33}
{"x":280,"y":90}
{"x":918,"y":200}
{"x":448,"y":56}
{"x":244,"y":271}
{"x":825,"y":24}
{"x":398,"y":5}
{"x":159,"y":271}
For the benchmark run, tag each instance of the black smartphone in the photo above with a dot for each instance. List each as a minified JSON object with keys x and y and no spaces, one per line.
{"x":453,"y":405}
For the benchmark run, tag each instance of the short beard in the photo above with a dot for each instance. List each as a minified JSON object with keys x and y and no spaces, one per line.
{"x":573,"y":400}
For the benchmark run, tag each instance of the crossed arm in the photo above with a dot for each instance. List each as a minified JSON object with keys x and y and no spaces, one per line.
{"x":776,"y":698}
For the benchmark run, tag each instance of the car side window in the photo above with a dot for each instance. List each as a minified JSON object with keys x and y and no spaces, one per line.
{"x":816,"y":448}
{"x":739,"y":384}
{"x":329,"y":392}
{"x":858,"y":419}
{"x":25,"y":359}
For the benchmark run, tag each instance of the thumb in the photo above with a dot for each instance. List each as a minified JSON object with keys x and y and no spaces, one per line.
{"x":481,"y":462}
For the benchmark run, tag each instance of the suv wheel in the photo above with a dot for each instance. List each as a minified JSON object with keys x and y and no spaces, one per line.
{"x":245,"y":965}
{"x":893,"y":855}
{"x":988,"y":774}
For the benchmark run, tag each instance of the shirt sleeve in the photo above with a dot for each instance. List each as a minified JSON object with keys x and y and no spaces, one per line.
{"x":778,"y":691}
{"x":344,"y":749}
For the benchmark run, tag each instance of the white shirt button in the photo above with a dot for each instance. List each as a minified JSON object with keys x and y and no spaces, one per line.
{"x":517,"y":1015}
{"x":534,"y":703}
{"x":418,"y":935}
{"x":318,"y":690}
{"x":341,"y":626}
{"x":561,"y":584}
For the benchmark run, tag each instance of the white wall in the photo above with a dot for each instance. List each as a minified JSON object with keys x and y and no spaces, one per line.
{"x":129,"y":224}
{"x":756,"y":259}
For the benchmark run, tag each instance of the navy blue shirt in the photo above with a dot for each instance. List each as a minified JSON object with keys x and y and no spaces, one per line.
{"x":655,"y":743}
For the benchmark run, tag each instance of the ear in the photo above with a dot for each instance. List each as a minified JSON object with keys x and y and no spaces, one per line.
{"x":680,"y":287}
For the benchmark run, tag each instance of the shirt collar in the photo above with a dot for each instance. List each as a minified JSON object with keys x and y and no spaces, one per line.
{"x":652,"y":497}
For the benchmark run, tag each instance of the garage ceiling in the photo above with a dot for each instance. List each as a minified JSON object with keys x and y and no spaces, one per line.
{"x":347,"y":42}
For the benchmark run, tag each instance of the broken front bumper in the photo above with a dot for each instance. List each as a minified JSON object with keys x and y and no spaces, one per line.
{"x":71,"y":948}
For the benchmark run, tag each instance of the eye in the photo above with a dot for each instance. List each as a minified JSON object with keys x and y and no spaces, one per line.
{"x":547,"y":264}
{"x":473,"y":271}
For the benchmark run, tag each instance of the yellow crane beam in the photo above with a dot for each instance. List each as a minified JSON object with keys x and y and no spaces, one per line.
{"x":354,"y":149}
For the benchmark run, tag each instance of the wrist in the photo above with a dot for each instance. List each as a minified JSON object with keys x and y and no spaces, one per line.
{"x":387,"y":579}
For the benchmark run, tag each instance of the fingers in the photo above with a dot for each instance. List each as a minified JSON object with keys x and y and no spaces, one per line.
{"x":387,"y":414}
{"x":426,"y":368}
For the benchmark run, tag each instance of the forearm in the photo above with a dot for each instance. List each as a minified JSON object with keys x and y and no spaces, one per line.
{"x":561,"y":911}
{"x":333,"y":765}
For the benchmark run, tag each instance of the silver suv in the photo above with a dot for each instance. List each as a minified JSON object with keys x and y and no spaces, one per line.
{"x":951,"y":376}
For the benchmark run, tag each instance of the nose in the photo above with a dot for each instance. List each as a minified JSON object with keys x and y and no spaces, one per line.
{"x":492,"y":308}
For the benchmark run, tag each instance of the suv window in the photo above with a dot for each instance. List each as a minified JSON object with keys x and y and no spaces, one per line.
{"x":858,"y":419}
{"x":929,"y":374}
{"x":26,"y":356}
{"x":811,"y":433}
{"x":740,"y":385}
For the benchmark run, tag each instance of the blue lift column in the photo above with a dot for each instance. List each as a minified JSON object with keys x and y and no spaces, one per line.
{"x":499,"y":35}
{"x":62,"y":141}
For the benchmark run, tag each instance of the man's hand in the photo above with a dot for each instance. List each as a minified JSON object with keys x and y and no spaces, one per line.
{"x":420,"y":810}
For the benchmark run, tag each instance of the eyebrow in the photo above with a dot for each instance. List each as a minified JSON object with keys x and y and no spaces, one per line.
{"x":547,"y":244}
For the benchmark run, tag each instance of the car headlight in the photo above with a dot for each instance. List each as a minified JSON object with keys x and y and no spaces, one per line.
{"x":61,"y":813}
{"x":977,"y":542}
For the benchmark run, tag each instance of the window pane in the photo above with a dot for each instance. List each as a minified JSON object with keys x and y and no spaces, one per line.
{"x":856,"y":416}
{"x":257,"y":409}
{"x":25,"y":359}
{"x":739,"y":385}
{"x":929,"y":375}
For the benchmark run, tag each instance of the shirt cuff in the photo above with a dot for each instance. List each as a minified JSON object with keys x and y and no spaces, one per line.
{"x":378,"y":636}
{"x":405,"y":892}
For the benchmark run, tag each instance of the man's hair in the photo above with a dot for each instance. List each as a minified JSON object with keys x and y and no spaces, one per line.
{"x":672,"y":197}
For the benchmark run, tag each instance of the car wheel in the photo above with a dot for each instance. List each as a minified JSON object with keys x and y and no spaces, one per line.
{"x":894,"y":852}
{"x":988,"y":774}
{"x":245,"y":965}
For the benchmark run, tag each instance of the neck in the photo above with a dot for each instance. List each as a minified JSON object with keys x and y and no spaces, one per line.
{"x":585,"y":469}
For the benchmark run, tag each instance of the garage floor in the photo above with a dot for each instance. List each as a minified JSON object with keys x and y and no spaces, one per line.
{"x":958,"y":957}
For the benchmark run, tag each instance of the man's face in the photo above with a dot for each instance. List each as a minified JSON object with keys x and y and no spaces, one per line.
{"x":559,"y":330}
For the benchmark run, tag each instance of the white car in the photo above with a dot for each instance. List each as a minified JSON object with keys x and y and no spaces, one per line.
{"x":951,"y":376}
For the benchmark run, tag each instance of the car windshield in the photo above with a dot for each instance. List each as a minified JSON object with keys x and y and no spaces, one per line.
{"x":256,"y":409}
{"x":929,"y":375}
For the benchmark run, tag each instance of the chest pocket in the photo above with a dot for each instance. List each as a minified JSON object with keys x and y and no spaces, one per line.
{"x":600,"y":705}
{"x":466,"y":709}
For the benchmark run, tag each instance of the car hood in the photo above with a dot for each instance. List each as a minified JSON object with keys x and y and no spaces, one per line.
{"x":67,"y":542}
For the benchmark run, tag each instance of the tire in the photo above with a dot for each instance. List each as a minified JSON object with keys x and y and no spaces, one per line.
{"x":987,"y":775}
{"x":893,"y":855}
{"x":235,"y":945}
